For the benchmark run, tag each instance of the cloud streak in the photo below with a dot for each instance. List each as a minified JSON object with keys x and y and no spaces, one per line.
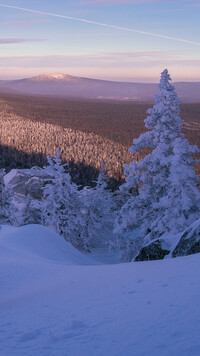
{"x":120,"y":28}
{"x":101,"y":60}
{"x":21,"y":23}
{"x":18,"y":40}
{"x":127,"y":66}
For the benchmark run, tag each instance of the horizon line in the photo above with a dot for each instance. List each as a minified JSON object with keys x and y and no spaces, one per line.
{"x":100,"y":79}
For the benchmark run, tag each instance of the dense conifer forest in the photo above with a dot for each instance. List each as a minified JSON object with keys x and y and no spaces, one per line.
{"x":119,"y":121}
{"x":87,"y":133}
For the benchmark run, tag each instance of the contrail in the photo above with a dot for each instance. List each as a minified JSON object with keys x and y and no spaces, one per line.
{"x":101,"y":24}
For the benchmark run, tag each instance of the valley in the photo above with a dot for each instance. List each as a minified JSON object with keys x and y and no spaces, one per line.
{"x":87,"y":132}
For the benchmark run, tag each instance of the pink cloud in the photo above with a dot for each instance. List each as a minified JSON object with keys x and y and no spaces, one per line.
{"x":21,"y":23}
{"x":18,"y":40}
{"x":104,"y":60}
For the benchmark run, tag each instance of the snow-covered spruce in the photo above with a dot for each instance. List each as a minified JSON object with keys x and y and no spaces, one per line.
{"x":167,"y":198}
{"x":98,"y":214}
{"x":62,"y":204}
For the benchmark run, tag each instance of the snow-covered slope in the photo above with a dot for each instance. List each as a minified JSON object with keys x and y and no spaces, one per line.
{"x":52,"y":302}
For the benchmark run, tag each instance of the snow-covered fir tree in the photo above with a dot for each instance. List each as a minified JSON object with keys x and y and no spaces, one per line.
{"x":167,"y":198}
{"x":181,"y":206}
{"x":62,"y":203}
{"x":98,"y":214}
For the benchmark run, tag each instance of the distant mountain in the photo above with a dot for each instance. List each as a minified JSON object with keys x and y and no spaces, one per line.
{"x":59,"y":84}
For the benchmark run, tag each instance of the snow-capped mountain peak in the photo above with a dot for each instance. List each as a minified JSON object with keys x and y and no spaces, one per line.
{"x":52,"y":76}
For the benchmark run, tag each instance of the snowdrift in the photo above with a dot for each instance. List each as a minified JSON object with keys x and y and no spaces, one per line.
{"x":52,"y":302}
{"x":25,"y":256}
{"x":35,"y":241}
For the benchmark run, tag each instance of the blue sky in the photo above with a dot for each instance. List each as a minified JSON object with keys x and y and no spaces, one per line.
{"x":33,"y":43}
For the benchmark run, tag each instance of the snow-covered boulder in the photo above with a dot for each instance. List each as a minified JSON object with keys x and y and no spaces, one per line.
{"x":182,"y":244}
{"x":189,"y":242}
{"x":26,"y":181}
{"x":153,"y":251}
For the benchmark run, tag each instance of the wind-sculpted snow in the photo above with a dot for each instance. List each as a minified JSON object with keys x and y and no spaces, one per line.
{"x":51,"y":306}
{"x":38,"y":242}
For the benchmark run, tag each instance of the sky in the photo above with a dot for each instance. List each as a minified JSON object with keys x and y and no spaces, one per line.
{"x":140,"y":39}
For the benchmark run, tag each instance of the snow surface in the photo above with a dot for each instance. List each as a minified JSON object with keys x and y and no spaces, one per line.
{"x":55,"y":301}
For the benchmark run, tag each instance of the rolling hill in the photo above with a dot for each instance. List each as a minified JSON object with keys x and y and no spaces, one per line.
{"x":59,"y":84}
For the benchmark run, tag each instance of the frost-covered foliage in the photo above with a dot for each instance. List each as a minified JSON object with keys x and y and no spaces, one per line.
{"x":126,"y":246}
{"x":167,"y":198}
{"x":98,"y":217}
{"x":84,"y":217}
{"x":62,"y":203}
{"x":31,"y":212}
{"x":181,"y":206}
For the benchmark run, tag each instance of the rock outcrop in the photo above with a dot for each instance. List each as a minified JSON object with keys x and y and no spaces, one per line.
{"x":182,"y":244}
{"x":27,"y":181}
{"x":189,"y":242}
{"x":153,"y":251}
